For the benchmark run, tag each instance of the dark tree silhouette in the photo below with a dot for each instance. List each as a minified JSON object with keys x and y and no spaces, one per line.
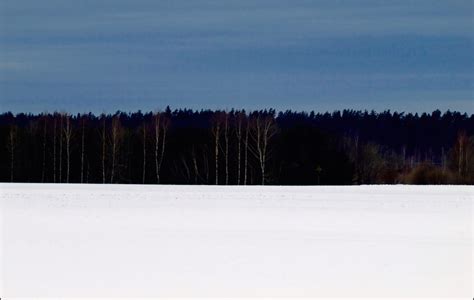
{"x":237,"y":147}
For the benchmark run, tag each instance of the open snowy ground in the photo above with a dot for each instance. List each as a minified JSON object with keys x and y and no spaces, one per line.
{"x":124,"y":240}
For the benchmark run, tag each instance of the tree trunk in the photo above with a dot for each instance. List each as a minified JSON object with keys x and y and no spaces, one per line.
{"x":116,"y":144}
{"x":443,"y":159}
{"x":12,"y":146}
{"x":239,"y":140}
{"x":216,"y":151}
{"x":114,"y":150}
{"x":259,"y":148}
{"x":466,"y":157}
{"x":163,"y":143}
{"x":205,"y":159}
{"x":43,"y":169}
{"x":263,"y":130}
{"x":144,"y":154}
{"x":187,"y":173}
{"x":195,"y":165}
{"x":157,"y":142}
{"x":161,"y":129}
{"x":112,"y":169}
{"x":103,"y":150}
{"x":357,"y":168}
{"x":87,"y":173}
{"x":460,"y":156}
{"x":61,"y":128}
{"x":226,"y":138}
{"x":82,"y":152}
{"x":246,"y":151}
{"x":463,"y":152}
{"x":54,"y":150}
{"x":12,"y":158}
{"x":67,"y":135}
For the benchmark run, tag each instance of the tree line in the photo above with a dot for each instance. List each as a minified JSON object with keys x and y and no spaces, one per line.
{"x":236,"y":147}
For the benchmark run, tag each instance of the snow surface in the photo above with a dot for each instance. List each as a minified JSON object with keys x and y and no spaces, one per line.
{"x":140,"y":241}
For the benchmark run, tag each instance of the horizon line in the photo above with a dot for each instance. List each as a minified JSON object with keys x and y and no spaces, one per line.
{"x":172,"y":110}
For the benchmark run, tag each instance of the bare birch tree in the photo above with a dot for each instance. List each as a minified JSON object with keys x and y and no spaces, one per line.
{"x":157,"y":126}
{"x":11,"y":145}
{"x":246,"y":149}
{"x":67,"y":137}
{"x":54,"y":148}
{"x":82,"y":148}
{"x":468,"y":156}
{"x":144,"y":152}
{"x":61,"y":128}
{"x":43,"y":167}
{"x":161,"y":124}
{"x":226,"y":150}
{"x":116,"y":139}
{"x":462,"y":157}
{"x":216,"y":132}
{"x":238,"y":133}
{"x":104,"y":138}
{"x":356,"y":160}
{"x":205,"y":160}
{"x":87,"y":173}
{"x":262,"y":130}
{"x":184,"y":169}
{"x":195,"y":165}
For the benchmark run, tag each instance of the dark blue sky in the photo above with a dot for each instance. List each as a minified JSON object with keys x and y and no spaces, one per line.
{"x":108,"y":55}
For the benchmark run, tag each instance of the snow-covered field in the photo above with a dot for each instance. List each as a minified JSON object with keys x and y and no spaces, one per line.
{"x":124,"y":240}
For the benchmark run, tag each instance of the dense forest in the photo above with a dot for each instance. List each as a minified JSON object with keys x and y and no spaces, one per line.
{"x":238,"y":148}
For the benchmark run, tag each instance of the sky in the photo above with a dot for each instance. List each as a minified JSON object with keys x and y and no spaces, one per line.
{"x":321,"y":55}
